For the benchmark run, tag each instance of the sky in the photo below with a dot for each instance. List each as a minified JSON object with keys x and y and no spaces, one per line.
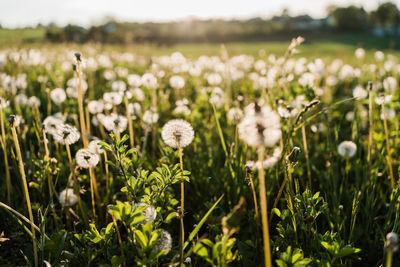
{"x":21,"y":13}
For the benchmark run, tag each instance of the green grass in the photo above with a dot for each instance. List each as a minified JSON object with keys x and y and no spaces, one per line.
{"x":334,"y":46}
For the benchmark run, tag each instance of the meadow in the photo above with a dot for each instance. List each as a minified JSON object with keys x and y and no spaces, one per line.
{"x":256,"y":154}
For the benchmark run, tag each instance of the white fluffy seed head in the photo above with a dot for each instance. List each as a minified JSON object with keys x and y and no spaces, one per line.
{"x":347,"y":149}
{"x":68,"y":198}
{"x":164,"y":242}
{"x":150,"y":213}
{"x":261,"y":128}
{"x":66,"y":134}
{"x":95,"y":147}
{"x":58,"y":95}
{"x":85,"y":158}
{"x":177,"y":133}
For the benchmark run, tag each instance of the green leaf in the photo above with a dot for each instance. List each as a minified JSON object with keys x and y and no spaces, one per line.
{"x":202,"y":221}
{"x":277,"y":212}
{"x":201,"y":250}
{"x":141,"y":238}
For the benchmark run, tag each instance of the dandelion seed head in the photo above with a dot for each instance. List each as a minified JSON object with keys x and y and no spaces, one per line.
{"x":150,"y":213}
{"x":164,"y":242}
{"x":347,"y":149}
{"x":114,"y":122}
{"x":66,"y":134}
{"x":235,"y":115}
{"x":150,"y":116}
{"x":86,"y":158}
{"x":176,"y":82}
{"x":177,"y":133}
{"x":51,"y":124}
{"x":95,"y":106}
{"x":95,"y":147}
{"x":58,"y":95}
{"x":68,"y":198}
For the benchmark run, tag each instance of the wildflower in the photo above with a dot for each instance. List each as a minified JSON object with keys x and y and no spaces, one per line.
{"x":4,"y":103}
{"x":235,"y":115}
{"x":114,"y":98}
{"x":182,"y":109}
{"x":390,"y":84}
{"x":68,"y":198}
{"x":150,"y":116}
{"x":260,"y":126}
{"x":58,"y":95}
{"x":95,"y":106}
{"x":360,"y":53}
{"x":150,"y":213}
{"x":137,"y":93}
{"x":33,"y":101}
{"x":85,"y":158}
{"x":66,"y":134}
{"x":359,"y":93}
{"x":51,"y":124}
{"x":383,"y":99}
{"x":392,"y":240}
{"x":134,"y":80}
{"x":379,"y":55}
{"x":214,"y":79}
{"x":149,"y":80}
{"x":95,"y":147}
{"x":134,"y":109}
{"x":176,"y":82}
{"x":115,"y":122}
{"x":21,"y":99}
{"x":118,"y":86}
{"x":177,"y":133}
{"x":347,"y":149}
{"x":164,"y":243}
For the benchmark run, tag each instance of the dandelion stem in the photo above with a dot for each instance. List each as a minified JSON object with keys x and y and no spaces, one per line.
{"x":264,"y":215}
{"x":80,"y":104}
{"x":389,"y":158}
{"x":130,"y":125}
{"x":121,"y":248}
{"x":25,"y":185}
{"x":107,"y":180}
{"x":4,"y":147}
{"x":303,"y":132}
{"x":76,"y":186}
{"x":389,"y":258}
{"x":370,"y":140}
{"x":182,"y":230}
{"x":255,"y":199}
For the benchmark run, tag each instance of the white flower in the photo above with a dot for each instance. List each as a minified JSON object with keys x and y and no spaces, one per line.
{"x":359,"y":93}
{"x":134,"y":109}
{"x":114,"y":98}
{"x":176,"y":82}
{"x":21,"y":99}
{"x":235,"y":115}
{"x":118,"y":86}
{"x":177,"y":133}
{"x":137,"y":93}
{"x":379,"y":55}
{"x":260,"y":126}
{"x":58,"y":95}
{"x":164,"y":242}
{"x":390,"y":84}
{"x":214,"y":79}
{"x":382,"y":99}
{"x":347,"y":149}
{"x":149,"y":80}
{"x":4,"y":103}
{"x":95,"y":147}
{"x":33,"y":101}
{"x":95,"y":106}
{"x":114,"y":122}
{"x":68,"y":198}
{"x":66,"y":134}
{"x":360,"y":53}
{"x":150,"y":116}
{"x":51,"y":124}
{"x":85,"y":158}
{"x":150,"y":213}
{"x":134,"y":80}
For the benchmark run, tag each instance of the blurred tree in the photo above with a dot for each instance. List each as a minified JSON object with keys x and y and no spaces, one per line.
{"x":350,"y":18}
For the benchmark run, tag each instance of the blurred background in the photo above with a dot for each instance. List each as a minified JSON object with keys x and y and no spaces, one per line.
{"x":179,"y":24}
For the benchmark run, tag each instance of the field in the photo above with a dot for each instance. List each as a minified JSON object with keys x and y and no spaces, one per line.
{"x":244,"y":154}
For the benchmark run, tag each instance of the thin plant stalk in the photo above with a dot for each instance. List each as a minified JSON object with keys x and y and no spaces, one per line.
{"x":121,"y":248}
{"x":303,"y":132}
{"x":263,"y":205}
{"x":130,"y":124}
{"x":182,"y":212}
{"x":255,"y":199}
{"x":80,"y":105}
{"x":371,"y":129}
{"x":87,"y":120}
{"x":94,"y":184}
{"x":277,"y":199}
{"x":25,"y":186}
{"x":389,"y":258}
{"x":107,"y":180}
{"x":389,"y":158}
{"x":76,"y":185}
{"x":4,"y":147}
